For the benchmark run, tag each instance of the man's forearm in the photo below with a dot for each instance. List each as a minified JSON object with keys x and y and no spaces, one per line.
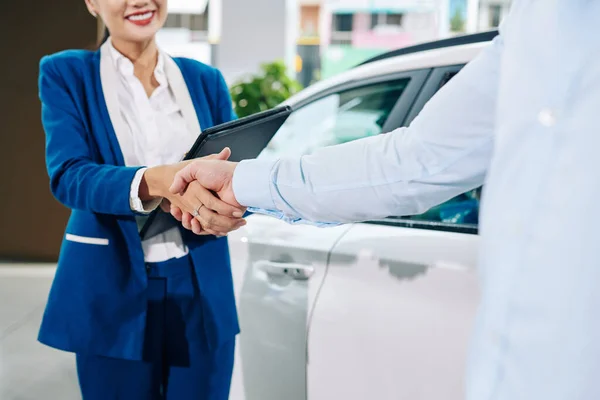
{"x":362,"y":180}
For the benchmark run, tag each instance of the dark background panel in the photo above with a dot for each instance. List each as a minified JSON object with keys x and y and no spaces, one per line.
{"x":31,"y":220}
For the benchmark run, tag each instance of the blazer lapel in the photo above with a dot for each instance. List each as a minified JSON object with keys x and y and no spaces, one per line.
{"x":110,"y":115}
{"x":182,"y":96}
{"x":116,"y":125}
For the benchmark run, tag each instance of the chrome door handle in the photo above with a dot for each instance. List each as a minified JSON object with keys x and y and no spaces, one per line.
{"x":295,"y":271}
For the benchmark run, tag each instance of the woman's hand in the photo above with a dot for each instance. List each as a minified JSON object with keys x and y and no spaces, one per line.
{"x":212,"y":215}
{"x":191,"y":223}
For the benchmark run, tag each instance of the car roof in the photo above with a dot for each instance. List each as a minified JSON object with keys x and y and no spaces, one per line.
{"x":428,"y":55}
{"x":437,"y":44}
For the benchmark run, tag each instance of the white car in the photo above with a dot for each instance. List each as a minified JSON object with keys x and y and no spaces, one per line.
{"x":378,"y":310}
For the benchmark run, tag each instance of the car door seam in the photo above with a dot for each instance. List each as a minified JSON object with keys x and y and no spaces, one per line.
{"x":314,"y":305}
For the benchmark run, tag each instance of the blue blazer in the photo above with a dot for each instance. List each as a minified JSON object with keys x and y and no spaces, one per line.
{"x":97,"y":303}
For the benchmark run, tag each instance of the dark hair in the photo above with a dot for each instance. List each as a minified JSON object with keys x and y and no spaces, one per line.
{"x":106,"y":35}
{"x":99,"y":42}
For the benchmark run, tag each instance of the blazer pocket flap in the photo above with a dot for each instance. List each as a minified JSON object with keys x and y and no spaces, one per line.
{"x":86,"y":239}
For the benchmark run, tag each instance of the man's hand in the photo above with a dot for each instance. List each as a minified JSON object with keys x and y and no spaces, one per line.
{"x":214,"y":175}
{"x":210,"y":174}
{"x":212,"y":215}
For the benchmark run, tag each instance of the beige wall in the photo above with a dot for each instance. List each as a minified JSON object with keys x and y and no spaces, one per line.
{"x":31,"y":221}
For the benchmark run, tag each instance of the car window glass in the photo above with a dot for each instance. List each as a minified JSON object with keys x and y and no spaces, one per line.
{"x":460,"y":210}
{"x":446,"y":78}
{"x":337,"y":118}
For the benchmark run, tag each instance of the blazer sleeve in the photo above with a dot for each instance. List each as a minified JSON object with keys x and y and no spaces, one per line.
{"x":75,"y":179}
{"x":224,"y":111}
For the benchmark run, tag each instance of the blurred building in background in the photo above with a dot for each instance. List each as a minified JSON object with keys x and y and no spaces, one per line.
{"x":185,"y":33}
{"x":237,"y":36}
{"x":308,"y":59}
{"x":491,"y":13}
{"x":353,"y":30}
{"x":249,"y":33}
{"x":315,"y":39}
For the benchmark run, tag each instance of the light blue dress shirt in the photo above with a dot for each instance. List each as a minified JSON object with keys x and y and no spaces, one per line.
{"x":523,"y":119}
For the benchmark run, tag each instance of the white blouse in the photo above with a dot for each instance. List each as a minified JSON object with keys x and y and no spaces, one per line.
{"x":157,"y":135}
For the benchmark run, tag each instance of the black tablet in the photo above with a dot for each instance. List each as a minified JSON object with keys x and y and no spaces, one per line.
{"x":246,"y":137}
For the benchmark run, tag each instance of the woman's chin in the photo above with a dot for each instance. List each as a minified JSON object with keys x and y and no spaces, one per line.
{"x":135,"y":33}
{"x":141,"y":37}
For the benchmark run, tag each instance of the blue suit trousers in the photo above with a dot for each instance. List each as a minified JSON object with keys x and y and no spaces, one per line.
{"x":177,"y":363}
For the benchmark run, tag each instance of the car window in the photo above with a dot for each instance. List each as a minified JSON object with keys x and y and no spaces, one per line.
{"x":446,"y":78}
{"x":337,"y":118}
{"x":461,"y":210}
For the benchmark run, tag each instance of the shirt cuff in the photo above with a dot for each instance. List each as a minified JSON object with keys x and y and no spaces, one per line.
{"x":291,"y":220}
{"x":252,"y":184}
{"x":134,"y":195}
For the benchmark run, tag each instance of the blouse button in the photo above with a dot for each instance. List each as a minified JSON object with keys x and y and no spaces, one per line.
{"x":547,"y":118}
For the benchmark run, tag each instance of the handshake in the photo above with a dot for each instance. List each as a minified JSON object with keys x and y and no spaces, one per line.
{"x":198,"y":193}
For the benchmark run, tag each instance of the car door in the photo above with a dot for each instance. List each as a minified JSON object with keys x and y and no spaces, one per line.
{"x":395,"y":310}
{"x":277,"y":272}
{"x":278,"y":268}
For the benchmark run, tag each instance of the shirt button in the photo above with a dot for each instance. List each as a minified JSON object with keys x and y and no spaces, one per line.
{"x":547,"y":117}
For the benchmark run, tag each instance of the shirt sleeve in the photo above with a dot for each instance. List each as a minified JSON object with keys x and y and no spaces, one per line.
{"x":446,"y":151}
{"x":143,"y":207}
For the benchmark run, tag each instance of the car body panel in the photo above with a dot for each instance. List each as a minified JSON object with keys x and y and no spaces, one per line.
{"x":394,"y":315}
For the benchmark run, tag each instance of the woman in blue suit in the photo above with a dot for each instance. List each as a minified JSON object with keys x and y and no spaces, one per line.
{"x":152,"y":319}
